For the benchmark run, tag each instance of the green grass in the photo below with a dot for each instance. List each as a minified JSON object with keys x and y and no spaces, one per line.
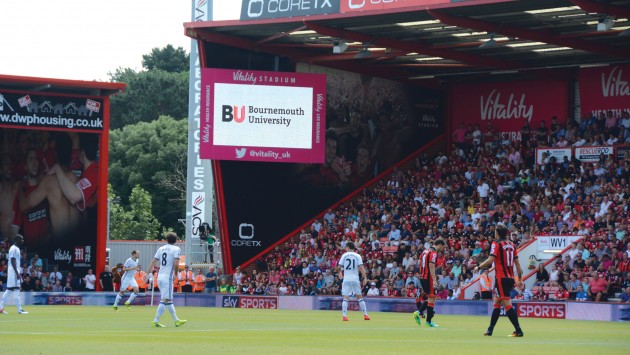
{"x":98,"y":330}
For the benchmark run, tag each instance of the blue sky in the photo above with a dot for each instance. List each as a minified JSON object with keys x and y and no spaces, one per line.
{"x":86,"y":39}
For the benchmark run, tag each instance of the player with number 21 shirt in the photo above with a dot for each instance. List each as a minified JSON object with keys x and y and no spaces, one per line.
{"x":350,"y":264}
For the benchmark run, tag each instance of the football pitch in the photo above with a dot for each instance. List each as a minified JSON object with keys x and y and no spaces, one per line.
{"x":90,"y":329}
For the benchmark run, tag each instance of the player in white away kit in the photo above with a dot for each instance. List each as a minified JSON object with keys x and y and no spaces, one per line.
{"x":167,"y":258}
{"x":128,"y":280}
{"x":350,"y":264}
{"x":13,"y":277}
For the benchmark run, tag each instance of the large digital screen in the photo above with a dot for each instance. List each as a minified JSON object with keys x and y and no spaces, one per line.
{"x":262,"y":116}
{"x":46,"y":138}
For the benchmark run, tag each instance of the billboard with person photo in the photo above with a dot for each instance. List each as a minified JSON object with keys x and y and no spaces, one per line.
{"x":49,"y":176}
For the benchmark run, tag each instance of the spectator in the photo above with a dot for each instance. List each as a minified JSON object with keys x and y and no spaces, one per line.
{"x":393,"y":237}
{"x":106,"y":279}
{"x":562,"y":294}
{"x":373,"y":291}
{"x":394,"y":271}
{"x":186,"y":280}
{"x":581,"y":295}
{"x":485,"y":284}
{"x":55,"y":275}
{"x":44,"y":280}
{"x":140,"y":277}
{"x":542,"y":276}
{"x":26,"y":284}
{"x":451,"y":281}
{"x":598,"y":288}
{"x":211,"y":281}
{"x":224,"y":287}
{"x":38,"y":287}
{"x":456,"y":291}
{"x":199,"y":282}
{"x":74,"y":282}
{"x":572,"y":286}
{"x":272,"y":289}
{"x":89,"y":281}
{"x":554,"y":277}
{"x":238,"y":275}
{"x":57,"y":287}
{"x":456,"y":270}
{"x":442,"y":293}
{"x":36,"y":261}
{"x":117,"y":274}
{"x":522,"y":293}
{"x":625,"y":295}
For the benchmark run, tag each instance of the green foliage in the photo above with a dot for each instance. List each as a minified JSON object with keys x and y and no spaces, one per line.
{"x":148,"y":141}
{"x":149,"y":94}
{"x":153,"y":156}
{"x":168,"y":59}
{"x":135,"y":223}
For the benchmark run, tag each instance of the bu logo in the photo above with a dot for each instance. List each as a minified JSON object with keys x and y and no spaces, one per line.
{"x":230,"y":113}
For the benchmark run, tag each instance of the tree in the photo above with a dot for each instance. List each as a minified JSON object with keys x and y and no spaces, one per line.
{"x":152,"y":155}
{"x":135,"y":223}
{"x":149,"y":94}
{"x":168,"y":59}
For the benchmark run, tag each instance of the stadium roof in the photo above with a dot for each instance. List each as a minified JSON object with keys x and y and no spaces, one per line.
{"x":62,"y":86}
{"x":444,"y":42}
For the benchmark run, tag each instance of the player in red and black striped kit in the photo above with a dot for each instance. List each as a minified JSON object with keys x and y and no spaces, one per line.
{"x":428,"y":280}
{"x":504,"y":255}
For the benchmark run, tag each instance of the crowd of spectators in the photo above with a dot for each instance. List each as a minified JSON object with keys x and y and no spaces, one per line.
{"x":36,"y":277}
{"x":460,"y":197}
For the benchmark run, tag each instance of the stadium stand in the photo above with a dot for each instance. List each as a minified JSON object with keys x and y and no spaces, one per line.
{"x":460,"y":197}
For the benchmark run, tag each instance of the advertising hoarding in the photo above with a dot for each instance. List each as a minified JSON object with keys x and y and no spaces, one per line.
{"x":591,"y":154}
{"x":604,"y":89}
{"x":558,"y":153}
{"x":262,"y":116}
{"x":42,"y":136}
{"x":508,"y":105}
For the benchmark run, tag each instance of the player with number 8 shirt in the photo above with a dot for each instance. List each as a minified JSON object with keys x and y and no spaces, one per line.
{"x":167,"y":258}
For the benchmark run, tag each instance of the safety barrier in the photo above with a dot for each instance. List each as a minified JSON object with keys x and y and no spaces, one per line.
{"x":616,"y":312}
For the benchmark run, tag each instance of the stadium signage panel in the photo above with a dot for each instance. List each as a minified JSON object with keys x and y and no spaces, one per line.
{"x":229,"y":302}
{"x":250,"y":302}
{"x":198,"y":209}
{"x":555,"y":243}
{"x":65,"y":300}
{"x":622,"y":152}
{"x":272,"y":9}
{"x":262,"y":116}
{"x":508,"y":105}
{"x":558,"y":153}
{"x":258,"y":302}
{"x":541,"y":310}
{"x":591,"y":154}
{"x":50,"y":111}
{"x":367,"y":5}
{"x":604,"y":89}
